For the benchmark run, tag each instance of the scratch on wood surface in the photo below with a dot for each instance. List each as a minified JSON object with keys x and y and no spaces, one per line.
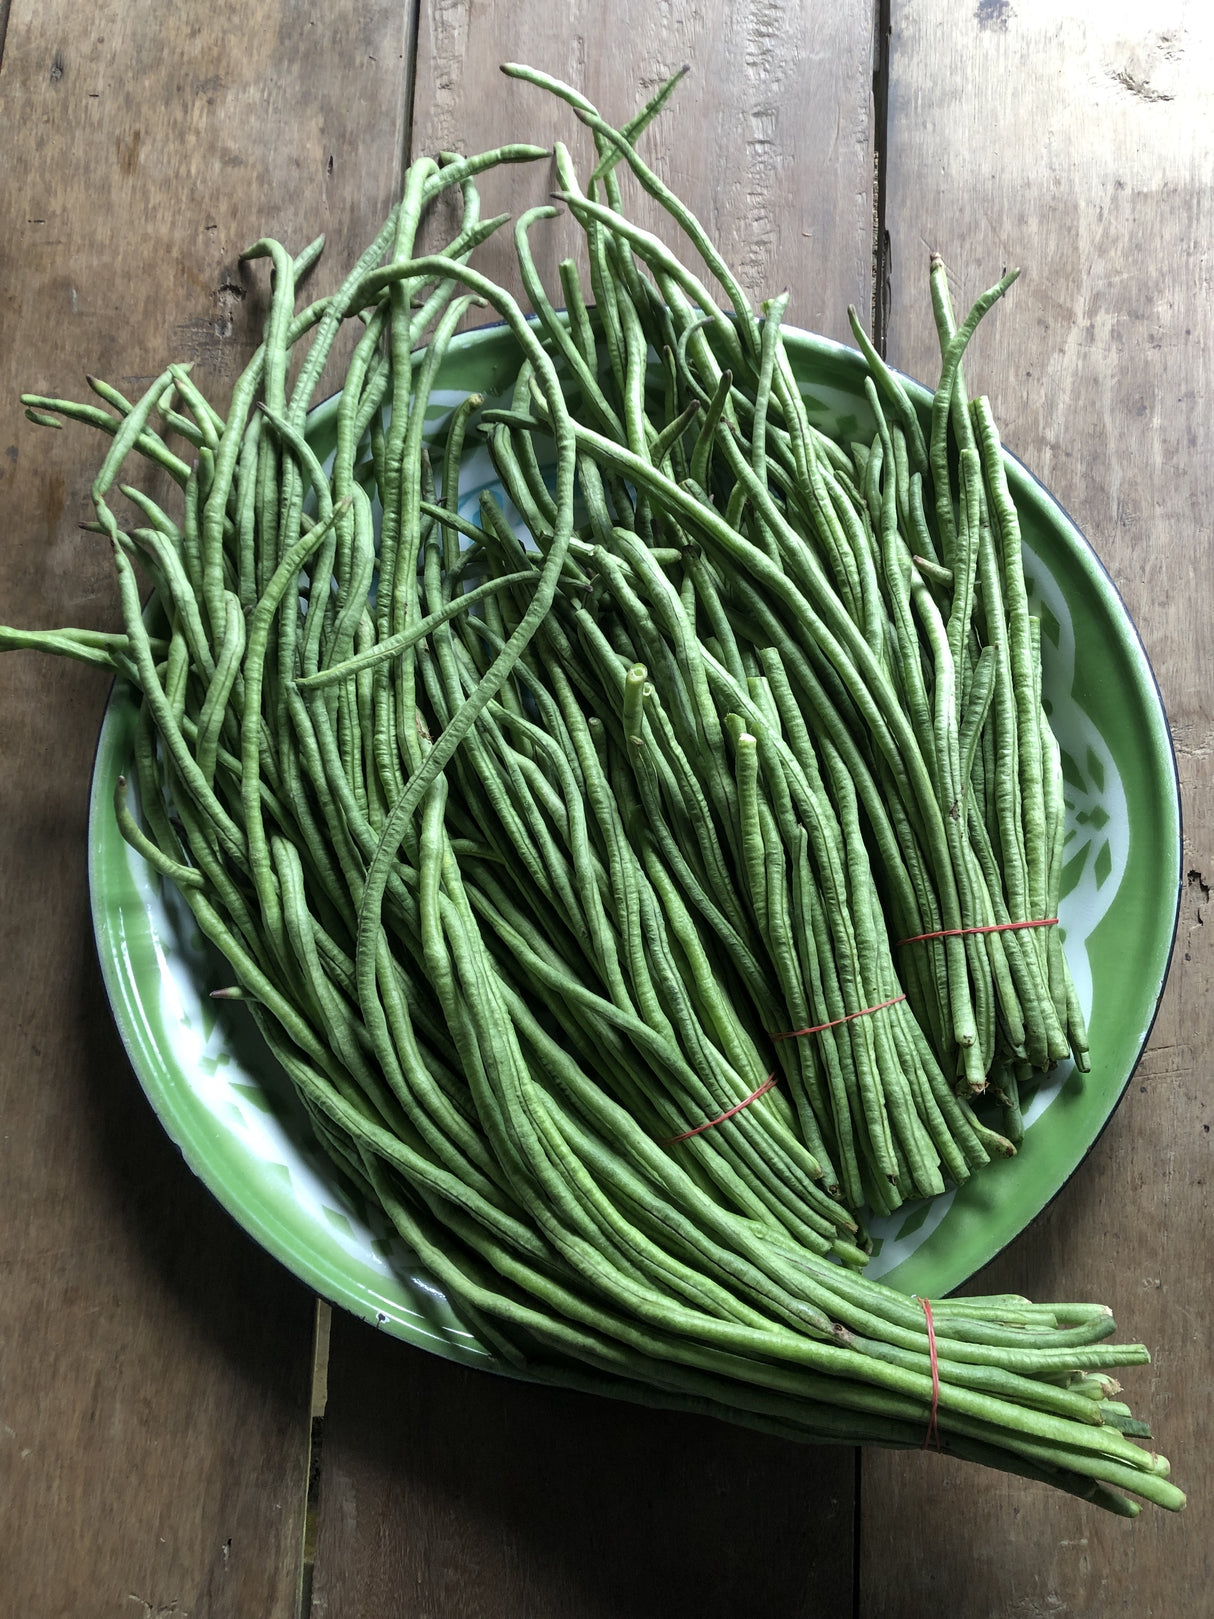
{"x":1147,"y":63}
{"x":1196,"y":898}
{"x":58,"y":1250}
{"x":128,"y":152}
{"x":1139,"y":87}
{"x":1201,"y":749}
{"x":208,"y":339}
{"x":1166,"y":1062}
{"x":1046,"y":1606}
{"x":53,"y":494}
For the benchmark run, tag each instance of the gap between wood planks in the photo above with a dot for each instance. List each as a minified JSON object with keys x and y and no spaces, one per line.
{"x":881,"y":253}
{"x":311,"y":1509}
{"x":404,"y":146}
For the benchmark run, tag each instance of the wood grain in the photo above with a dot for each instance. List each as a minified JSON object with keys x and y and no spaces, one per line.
{"x":1077,"y":142}
{"x":457,"y":1494}
{"x":154,"y":1365}
{"x":768,"y":139}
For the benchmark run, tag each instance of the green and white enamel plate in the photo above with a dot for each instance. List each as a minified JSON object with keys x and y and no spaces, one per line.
{"x":230,"y":1110}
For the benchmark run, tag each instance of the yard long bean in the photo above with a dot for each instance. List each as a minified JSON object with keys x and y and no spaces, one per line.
{"x":566,"y":874}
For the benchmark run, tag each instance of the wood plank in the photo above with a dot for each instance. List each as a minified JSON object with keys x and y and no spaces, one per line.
{"x":154,"y":1364}
{"x":768,"y":139}
{"x":472,"y":1495}
{"x":1076,"y":142}
{"x":462,"y":1494}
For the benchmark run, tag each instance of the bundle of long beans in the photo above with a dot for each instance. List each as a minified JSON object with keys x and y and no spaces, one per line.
{"x":535,"y":859}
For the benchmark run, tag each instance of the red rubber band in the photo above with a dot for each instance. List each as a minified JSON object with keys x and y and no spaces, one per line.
{"x":932,"y":1436}
{"x":993,"y":927}
{"x":772,"y":1079}
{"x":795,"y":1034}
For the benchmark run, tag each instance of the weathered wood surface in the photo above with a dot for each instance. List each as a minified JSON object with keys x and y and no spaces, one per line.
{"x":451,"y":1493}
{"x":153,"y":1363}
{"x":154,"y":1367}
{"x":1078,"y":142}
{"x":769,"y":139}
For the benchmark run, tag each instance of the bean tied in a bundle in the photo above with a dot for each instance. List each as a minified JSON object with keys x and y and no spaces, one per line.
{"x":645,"y":873}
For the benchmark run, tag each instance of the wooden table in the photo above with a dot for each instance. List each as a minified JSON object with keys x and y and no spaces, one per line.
{"x":161,"y":1380}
